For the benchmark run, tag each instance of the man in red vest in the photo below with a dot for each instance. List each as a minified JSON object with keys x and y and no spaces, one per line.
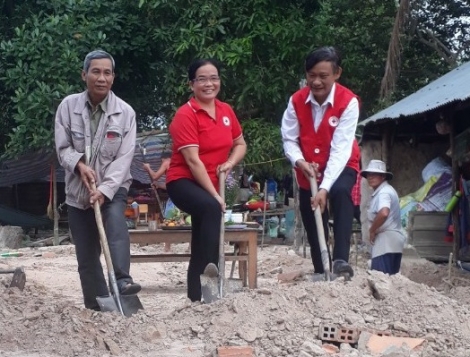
{"x":318,"y":134}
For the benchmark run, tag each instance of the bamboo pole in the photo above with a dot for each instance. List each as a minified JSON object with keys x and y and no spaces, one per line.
{"x":455,"y":187}
{"x":264,"y":211}
{"x":299,"y":231}
{"x":54,"y":206}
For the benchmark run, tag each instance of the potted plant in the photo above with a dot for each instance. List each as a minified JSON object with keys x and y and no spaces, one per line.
{"x":232,"y":188}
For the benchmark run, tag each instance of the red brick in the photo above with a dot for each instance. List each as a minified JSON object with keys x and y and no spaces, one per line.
{"x":235,"y":351}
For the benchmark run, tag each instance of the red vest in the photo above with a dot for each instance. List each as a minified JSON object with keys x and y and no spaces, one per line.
{"x":316,"y":145}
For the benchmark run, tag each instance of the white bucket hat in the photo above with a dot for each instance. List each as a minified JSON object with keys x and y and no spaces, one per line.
{"x":378,"y":167}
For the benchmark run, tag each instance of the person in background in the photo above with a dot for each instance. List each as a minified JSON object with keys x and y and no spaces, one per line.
{"x":99,"y":120}
{"x":155,"y":175}
{"x":318,"y":133}
{"x":207,"y":139}
{"x":383,"y":215}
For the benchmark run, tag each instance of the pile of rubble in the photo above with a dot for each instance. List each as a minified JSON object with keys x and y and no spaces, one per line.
{"x":372,"y":315}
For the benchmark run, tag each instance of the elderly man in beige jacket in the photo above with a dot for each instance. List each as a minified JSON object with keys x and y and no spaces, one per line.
{"x":97,"y":119}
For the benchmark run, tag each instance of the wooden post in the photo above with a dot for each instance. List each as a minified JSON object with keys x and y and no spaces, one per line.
{"x":54,"y":206}
{"x":264,"y":211}
{"x":455,"y":187}
{"x":298,"y":225}
{"x":387,"y":132}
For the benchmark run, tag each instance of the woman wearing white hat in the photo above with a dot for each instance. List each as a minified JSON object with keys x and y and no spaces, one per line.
{"x":383,"y":215}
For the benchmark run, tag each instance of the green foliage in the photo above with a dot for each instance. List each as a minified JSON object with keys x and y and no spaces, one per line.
{"x":353,"y":27}
{"x":262,"y":45}
{"x":43,"y":61}
{"x":265,"y":155}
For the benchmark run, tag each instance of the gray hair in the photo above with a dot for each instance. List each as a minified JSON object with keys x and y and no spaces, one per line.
{"x":97,"y":54}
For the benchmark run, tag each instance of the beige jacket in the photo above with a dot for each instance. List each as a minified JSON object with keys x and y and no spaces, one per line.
{"x":112,"y":147}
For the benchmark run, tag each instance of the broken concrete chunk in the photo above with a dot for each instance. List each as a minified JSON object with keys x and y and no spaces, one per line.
{"x":312,"y":349}
{"x":11,"y":237}
{"x":380,"y":289}
{"x":291,"y":276}
{"x":380,"y":344}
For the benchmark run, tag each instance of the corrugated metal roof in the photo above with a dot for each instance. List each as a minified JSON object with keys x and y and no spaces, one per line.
{"x":451,"y":87}
{"x":37,"y":166}
{"x":28,"y":168}
{"x":154,"y":145}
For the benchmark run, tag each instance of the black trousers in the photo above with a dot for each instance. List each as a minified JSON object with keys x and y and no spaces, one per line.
{"x":85,"y":235}
{"x":342,"y":211}
{"x":206,"y":216}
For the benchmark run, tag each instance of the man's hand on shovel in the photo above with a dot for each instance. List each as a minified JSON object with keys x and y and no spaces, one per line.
{"x":95,"y":196}
{"x":87,"y":175}
{"x":319,"y":200}
{"x":311,"y":170}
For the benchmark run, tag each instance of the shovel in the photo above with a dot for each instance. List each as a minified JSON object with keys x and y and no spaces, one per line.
{"x":214,"y":286}
{"x":325,"y":258}
{"x":125,"y":304}
{"x":19,"y":277}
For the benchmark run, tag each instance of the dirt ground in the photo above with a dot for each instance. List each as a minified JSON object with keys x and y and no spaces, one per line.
{"x":277,"y":319}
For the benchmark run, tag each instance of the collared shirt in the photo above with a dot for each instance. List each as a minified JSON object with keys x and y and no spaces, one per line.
{"x":390,"y":237}
{"x":193,"y":126}
{"x":385,"y":196}
{"x":343,"y":137}
{"x":95,"y":115}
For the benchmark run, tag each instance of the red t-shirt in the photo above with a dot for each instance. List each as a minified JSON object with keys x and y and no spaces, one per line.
{"x":192,"y":126}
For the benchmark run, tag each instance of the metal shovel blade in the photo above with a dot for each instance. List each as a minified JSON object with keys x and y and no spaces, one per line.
{"x":209,"y":288}
{"x":214,"y":285}
{"x":19,"y":279}
{"x":130,"y":304}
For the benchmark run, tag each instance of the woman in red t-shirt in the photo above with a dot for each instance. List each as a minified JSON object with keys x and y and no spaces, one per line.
{"x":207,"y":139}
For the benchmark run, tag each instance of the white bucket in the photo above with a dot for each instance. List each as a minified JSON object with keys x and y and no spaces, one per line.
{"x":234,"y":217}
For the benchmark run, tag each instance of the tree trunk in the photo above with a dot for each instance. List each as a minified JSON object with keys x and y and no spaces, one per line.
{"x":392,"y":67}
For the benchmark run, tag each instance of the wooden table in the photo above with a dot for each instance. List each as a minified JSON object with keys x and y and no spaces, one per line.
{"x":245,"y":239}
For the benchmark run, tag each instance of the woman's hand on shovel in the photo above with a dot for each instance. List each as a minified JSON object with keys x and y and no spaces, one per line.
{"x":221,"y":202}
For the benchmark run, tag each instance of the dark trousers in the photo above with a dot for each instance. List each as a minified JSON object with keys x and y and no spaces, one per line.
{"x":85,"y":235}
{"x":357,"y":214}
{"x":342,"y":210}
{"x":206,"y":216}
{"x":388,"y":263}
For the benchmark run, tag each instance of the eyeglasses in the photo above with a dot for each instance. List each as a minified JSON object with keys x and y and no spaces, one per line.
{"x":204,"y":80}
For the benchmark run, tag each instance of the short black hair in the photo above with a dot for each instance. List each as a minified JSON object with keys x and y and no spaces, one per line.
{"x":194,"y":66}
{"x":327,"y":53}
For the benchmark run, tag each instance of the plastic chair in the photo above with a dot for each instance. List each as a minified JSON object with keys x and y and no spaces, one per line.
{"x":143,"y":211}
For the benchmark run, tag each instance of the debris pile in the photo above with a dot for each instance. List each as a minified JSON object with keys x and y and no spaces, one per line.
{"x":372,"y":315}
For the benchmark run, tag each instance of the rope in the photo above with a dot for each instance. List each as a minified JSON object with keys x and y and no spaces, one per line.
{"x":264,"y":162}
